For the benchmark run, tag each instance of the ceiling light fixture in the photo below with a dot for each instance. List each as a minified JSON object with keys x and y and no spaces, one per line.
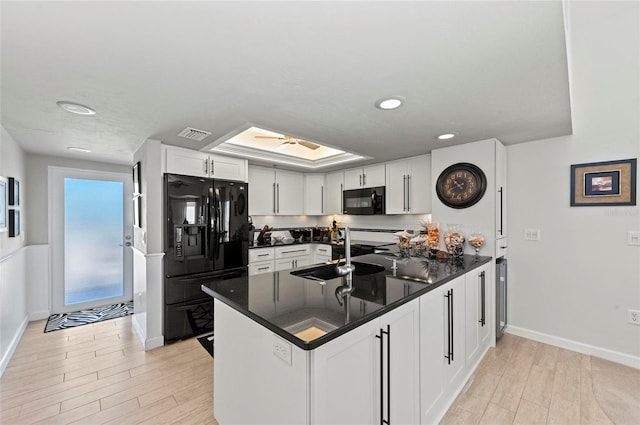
{"x":75,"y":108}
{"x":390,"y":103}
{"x":78,"y":149}
{"x":447,"y":136}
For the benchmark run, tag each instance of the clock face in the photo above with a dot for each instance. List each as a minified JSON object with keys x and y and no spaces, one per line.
{"x":461,"y":185}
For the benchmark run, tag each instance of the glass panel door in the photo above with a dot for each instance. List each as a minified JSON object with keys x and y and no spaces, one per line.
{"x":90,"y":238}
{"x":93,"y":229}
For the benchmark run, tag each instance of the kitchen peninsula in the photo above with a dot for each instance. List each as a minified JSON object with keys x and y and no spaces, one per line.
{"x":287,"y":346}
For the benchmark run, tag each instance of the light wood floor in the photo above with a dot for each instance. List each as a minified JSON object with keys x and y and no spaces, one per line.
{"x":97,"y":374}
{"x":526,"y":382}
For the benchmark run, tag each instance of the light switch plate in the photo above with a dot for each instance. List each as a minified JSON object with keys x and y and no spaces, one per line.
{"x":531,"y":234}
{"x":634,"y":238}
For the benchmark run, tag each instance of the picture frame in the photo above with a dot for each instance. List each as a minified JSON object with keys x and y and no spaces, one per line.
{"x":14,"y":192}
{"x":137,"y":211}
{"x":14,"y":223}
{"x":3,"y":204}
{"x":610,"y":183}
{"x":137,"y":179}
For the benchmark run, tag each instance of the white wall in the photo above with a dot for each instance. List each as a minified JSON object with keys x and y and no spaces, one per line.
{"x":13,"y":285}
{"x":574,"y":286}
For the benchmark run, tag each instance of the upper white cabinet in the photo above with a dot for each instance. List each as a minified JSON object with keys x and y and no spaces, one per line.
{"x":334,"y":185}
{"x":369,"y":176}
{"x":408,"y":186}
{"x":314,"y":194}
{"x":201,"y":164}
{"x":275,"y":192}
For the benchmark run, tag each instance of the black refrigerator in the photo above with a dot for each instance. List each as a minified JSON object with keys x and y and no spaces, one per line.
{"x":206,"y":241}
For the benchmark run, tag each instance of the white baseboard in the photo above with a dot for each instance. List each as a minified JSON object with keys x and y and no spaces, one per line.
{"x":14,"y":344}
{"x":39,"y":315}
{"x":152,"y":343}
{"x":592,"y":350}
{"x":137,"y":328}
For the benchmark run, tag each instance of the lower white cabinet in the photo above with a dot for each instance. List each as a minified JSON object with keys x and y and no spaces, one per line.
{"x":376,"y":365}
{"x":477,"y":329}
{"x":292,"y":257}
{"x":261,"y":260}
{"x":442,"y":353}
{"x":322,"y":254}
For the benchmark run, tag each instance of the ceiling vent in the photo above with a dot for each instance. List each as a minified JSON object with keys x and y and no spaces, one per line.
{"x":194,"y":134}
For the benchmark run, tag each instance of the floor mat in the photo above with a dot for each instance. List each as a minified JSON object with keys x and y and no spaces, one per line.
{"x":207,"y":342}
{"x":85,"y":317}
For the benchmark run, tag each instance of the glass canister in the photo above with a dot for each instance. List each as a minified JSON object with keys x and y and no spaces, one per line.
{"x":476,"y":241}
{"x":454,"y":240}
{"x":433,"y":238}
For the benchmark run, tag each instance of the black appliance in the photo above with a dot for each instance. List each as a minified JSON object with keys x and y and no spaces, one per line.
{"x":206,"y":240}
{"x":367,"y":201}
{"x":501,"y":296}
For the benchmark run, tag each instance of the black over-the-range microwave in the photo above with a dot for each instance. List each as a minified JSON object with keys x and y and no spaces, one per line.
{"x":367,"y":201}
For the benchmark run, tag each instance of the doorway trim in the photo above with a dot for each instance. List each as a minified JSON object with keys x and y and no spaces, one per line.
{"x":56,"y":177}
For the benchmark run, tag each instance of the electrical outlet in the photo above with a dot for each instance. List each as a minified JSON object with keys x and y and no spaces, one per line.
{"x":633,"y":316}
{"x":633,"y":238}
{"x":282,"y":349}
{"x":531,"y":234}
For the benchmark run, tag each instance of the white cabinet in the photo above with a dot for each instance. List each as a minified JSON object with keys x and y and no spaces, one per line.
{"x":501,"y":191}
{"x":292,"y":257}
{"x":194,"y":163}
{"x":275,"y":192}
{"x":314,"y":194}
{"x":382,"y":358}
{"x":334,"y":185}
{"x":369,"y":176}
{"x":322,"y":253}
{"x":408,"y":186}
{"x":442,"y":353}
{"x":477,"y":329}
{"x":261,"y":260}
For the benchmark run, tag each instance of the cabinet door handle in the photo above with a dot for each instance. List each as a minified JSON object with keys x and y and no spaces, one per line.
{"x":278,"y":196}
{"x":408,"y":192}
{"x":404,"y":192}
{"x":360,"y":179}
{"x":482,"y":298}
{"x":380,"y":337}
{"x":206,"y":167}
{"x":212,"y":168}
{"x":382,"y":375}
{"x":322,"y":199}
{"x":364,"y":179}
{"x":500,"y":230}
{"x":341,"y":197}
{"x":274,"y":198}
{"x":449,"y":355}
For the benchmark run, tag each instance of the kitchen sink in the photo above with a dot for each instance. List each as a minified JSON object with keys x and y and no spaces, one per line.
{"x":328,"y":271}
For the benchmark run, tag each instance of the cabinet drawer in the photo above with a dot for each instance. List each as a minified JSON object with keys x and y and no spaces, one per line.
{"x":323,"y":250}
{"x":292,"y":251}
{"x":261,"y":254}
{"x":261,"y":267}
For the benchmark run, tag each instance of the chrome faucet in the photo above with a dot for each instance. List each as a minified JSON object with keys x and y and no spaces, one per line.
{"x":347,"y":268}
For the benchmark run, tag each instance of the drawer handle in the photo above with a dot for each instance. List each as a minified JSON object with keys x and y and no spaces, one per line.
{"x":264,"y":268}
{"x":289,"y":252}
{"x":263,"y":255}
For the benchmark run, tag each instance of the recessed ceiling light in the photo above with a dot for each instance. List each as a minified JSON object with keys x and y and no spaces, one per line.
{"x":390,"y":103}
{"x":447,"y":136}
{"x":78,"y":149}
{"x":76,"y":108}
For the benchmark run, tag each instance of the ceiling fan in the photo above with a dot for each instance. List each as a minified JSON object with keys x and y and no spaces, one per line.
{"x":290,"y":140}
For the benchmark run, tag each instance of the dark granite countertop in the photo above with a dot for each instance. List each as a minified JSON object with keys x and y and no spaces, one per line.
{"x":288,"y":304}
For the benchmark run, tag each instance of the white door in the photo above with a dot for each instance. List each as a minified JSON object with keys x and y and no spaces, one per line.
{"x":90,"y":228}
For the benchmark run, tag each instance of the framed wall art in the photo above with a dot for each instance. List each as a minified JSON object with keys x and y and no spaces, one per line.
{"x":3,"y":204}
{"x":604,"y":183}
{"x":14,"y":223}
{"x":14,"y":192}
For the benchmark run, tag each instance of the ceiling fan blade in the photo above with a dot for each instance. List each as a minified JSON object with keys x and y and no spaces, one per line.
{"x":270,"y":137}
{"x":308,"y":144}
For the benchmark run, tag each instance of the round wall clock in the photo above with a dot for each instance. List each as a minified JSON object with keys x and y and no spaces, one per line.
{"x":461,"y":185}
